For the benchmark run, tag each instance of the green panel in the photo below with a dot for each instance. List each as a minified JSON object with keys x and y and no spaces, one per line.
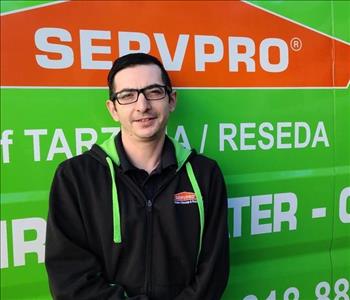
{"x":7,"y":6}
{"x":53,"y":105}
{"x":304,"y":13}
{"x":25,"y":183}
{"x":341,"y":230}
{"x":313,"y":174}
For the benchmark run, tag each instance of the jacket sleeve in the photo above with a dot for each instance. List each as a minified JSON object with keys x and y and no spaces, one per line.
{"x":73,"y":270}
{"x":213,"y":265}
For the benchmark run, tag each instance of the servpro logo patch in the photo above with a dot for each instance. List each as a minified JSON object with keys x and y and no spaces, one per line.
{"x":185,"y":198}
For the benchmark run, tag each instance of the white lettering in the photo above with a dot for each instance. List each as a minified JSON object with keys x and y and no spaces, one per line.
{"x":36,"y":133}
{"x":344,"y":215}
{"x":4,"y":263}
{"x":265,"y":63}
{"x":41,"y":42}
{"x":237,"y":204}
{"x":5,"y":142}
{"x":297,"y":135}
{"x":242,"y":51}
{"x":235,"y":57}
{"x":201,"y":57}
{"x":283,"y":205}
{"x":87,"y":49}
{"x":21,"y":247}
{"x":281,"y":134}
{"x":87,"y":143}
{"x":112,"y":130}
{"x":125,"y":38}
{"x":245,"y":136}
{"x":181,"y":46}
{"x":180,"y":132}
{"x":227,"y":137}
{"x":266,"y":135}
{"x":59,"y":137}
{"x":320,"y":135}
{"x":280,"y":216}
{"x":259,"y":214}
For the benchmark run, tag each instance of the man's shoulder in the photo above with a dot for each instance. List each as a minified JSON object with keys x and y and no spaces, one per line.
{"x":206,"y":169}
{"x":209,"y":177}
{"x":86,"y":163}
{"x":203,"y":162}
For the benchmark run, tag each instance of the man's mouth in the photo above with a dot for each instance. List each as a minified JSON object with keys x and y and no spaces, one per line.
{"x":143,"y":120}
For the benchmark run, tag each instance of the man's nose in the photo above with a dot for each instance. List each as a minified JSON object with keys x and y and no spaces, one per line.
{"x":142,"y":103}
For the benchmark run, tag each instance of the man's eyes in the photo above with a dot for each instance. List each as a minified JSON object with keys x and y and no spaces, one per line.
{"x":155,"y":91}
{"x":125,"y":95}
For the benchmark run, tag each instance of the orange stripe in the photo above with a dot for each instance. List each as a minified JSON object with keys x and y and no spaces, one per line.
{"x":221,"y":19}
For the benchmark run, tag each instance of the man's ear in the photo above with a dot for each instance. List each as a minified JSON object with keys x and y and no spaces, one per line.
{"x":172,"y":101}
{"x":112,"y":110}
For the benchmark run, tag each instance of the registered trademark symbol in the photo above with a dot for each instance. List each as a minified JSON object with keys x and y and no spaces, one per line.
{"x":296,"y":44}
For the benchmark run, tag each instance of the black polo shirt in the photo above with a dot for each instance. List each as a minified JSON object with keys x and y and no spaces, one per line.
{"x":148,"y":183}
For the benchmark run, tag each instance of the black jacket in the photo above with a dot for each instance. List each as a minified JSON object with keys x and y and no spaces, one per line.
{"x":99,"y":248}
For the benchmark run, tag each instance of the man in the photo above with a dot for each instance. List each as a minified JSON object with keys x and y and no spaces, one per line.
{"x":138,"y":217}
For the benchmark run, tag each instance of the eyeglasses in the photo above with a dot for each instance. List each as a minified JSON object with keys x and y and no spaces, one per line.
{"x":152,"y":92}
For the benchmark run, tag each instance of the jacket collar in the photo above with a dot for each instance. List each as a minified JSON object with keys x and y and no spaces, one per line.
{"x":168,"y":157}
{"x":181,"y":153}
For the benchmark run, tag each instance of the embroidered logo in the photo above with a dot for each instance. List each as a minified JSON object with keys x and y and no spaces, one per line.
{"x":185,"y":198}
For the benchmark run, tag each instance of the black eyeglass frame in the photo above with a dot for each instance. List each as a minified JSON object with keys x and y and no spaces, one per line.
{"x":167,"y":89}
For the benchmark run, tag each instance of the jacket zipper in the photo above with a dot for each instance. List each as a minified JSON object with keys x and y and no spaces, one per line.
{"x":149,"y":208}
{"x":149,"y":224}
{"x":149,"y":212}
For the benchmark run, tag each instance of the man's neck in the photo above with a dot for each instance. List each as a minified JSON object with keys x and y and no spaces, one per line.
{"x":144,"y":155}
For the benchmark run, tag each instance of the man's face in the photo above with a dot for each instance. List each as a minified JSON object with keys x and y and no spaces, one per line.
{"x":143,"y":120}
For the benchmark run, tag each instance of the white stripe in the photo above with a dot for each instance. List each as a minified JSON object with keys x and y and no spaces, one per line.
{"x":333,"y":50}
{"x":204,"y":136}
{"x":31,"y":7}
{"x":256,"y":6}
{"x":319,"y":212}
{"x":55,"y":87}
{"x":187,"y":87}
{"x":295,"y":22}
{"x":266,"y":88}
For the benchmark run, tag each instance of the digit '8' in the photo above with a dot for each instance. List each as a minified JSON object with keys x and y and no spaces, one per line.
{"x":341,"y":288}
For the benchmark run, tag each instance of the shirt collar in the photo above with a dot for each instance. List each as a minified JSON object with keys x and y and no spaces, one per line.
{"x":167,"y":157}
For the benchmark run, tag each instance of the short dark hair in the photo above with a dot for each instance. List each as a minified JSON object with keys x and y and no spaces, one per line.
{"x":134,"y":59}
